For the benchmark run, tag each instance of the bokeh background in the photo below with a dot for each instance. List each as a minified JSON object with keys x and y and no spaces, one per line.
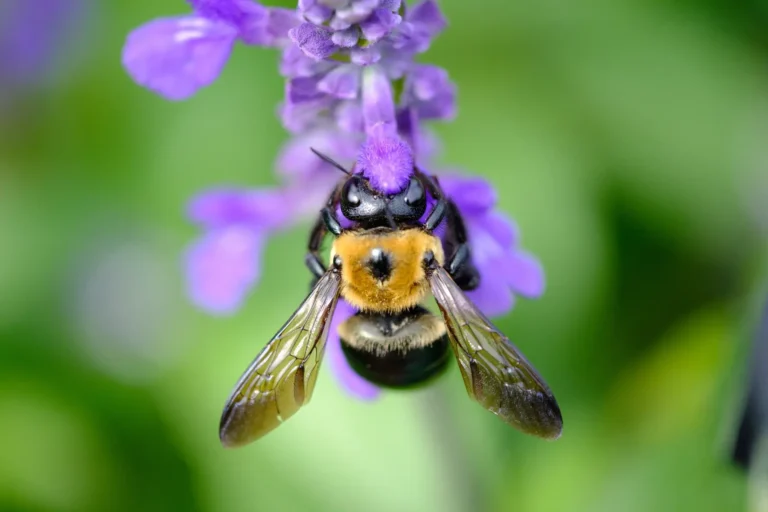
{"x":628,"y":138}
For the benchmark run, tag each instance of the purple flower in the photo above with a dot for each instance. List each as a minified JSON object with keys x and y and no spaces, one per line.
{"x":504,"y":269}
{"x":223,"y":265}
{"x":316,"y":42}
{"x":430,"y":93}
{"x":342,"y":61}
{"x":177,"y":56}
{"x":363,"y":33}
{"x":297,"y":165}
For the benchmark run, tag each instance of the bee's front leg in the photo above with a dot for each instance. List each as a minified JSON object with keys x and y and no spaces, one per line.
{"x":459,"y":265}
{"x":462,"y":269}
{"x":326,"y":223}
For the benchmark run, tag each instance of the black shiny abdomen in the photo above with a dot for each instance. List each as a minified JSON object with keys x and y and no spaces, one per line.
{"x":398,"y":368}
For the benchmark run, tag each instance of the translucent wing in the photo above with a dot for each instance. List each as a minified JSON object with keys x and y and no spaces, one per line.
{"x":495,"y":373}
{"x":282,"y":377}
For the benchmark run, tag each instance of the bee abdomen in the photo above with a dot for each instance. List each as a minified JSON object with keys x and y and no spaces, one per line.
{"x":396,"y":350}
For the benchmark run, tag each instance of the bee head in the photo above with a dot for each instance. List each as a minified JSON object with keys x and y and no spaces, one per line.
{"x":362,"y":204}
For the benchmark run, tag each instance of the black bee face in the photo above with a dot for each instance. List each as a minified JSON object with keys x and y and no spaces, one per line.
{"x":369,"y":208}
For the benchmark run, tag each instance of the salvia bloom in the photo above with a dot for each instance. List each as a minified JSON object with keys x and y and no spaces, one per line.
{"x":353,"y":91}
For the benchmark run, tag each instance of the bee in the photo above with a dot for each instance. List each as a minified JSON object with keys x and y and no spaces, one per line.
{"x":386,"y":265}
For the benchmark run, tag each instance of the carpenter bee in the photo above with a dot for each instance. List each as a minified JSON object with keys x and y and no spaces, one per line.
{"x":385,"y":265}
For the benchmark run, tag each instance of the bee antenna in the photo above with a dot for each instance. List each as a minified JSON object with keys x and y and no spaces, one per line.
{"x":329,"y":160}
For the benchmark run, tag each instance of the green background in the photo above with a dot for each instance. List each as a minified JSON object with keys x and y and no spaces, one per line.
{"x":627,"y":138}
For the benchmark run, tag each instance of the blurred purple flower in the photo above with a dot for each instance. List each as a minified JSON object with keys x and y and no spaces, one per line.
{"x":504,"y":269}
{"x":343,"y":60}
{"x":31,"y":33}
{"x":224,"y":264}
{"x":177,"y":56}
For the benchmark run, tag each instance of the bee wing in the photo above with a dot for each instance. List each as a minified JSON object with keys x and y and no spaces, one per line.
{"x":282,"y":377}
{"x":495,"y":373}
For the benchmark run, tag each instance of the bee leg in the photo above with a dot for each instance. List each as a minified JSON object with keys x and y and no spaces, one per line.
{"x":463,"y":270}
{"x":314,"y":265}
{"x":459,"y":265}
{"x":439,"y":211}
{"x":327,"y":222}
{"x":436,"y":216}
{"x":331,"y":222}
{"x":312,"y":259}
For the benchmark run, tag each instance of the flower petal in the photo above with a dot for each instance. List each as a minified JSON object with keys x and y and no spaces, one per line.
{"x":430,"y":92}
{"x":380,"y":23}
{"x":426,"y":82}
{"x":279,"y":23}
{"x":365,"y":56}
{"x":493,"y":296}
{"x":314,"y":12}
{"x":472,"y":195}
{"x":177,"y":56}
{"x":346,"y":38}
{"x":256,"y":24}
{"x":523,"y":273}
{"x":501,"y":228}
{"x":350,"y":381}
{"x":337,"y":23}
{"x":295,"y":63}
{"x":334,"y":4}
{"x":314,"y":41}
{"x":343,"y":82}
{"x":442,"y":106}
{"x":391,"y":5}
{"x":349,"y":117}
{"x":233,"y":12}
{"x":427,"y":17}
{"x":356,"y":11}
{"x":378,"y":103}
{"x":223,"y":266}
{"x":303,"y":90}
{"x":301,"y":117}
{"x":299,"y":164}
{"x":259,"y":209}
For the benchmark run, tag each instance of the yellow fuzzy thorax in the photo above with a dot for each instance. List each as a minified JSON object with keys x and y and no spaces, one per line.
{"x":407,"y":284}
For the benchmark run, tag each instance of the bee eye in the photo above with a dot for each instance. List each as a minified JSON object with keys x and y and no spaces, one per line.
{"x":351,"y":192}
{"x":415,"y":192}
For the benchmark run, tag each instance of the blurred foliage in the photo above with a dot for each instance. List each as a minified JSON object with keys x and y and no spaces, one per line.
{"x":627,"y":138}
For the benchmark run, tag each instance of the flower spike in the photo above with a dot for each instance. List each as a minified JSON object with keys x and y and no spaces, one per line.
{"x":355,"y":98}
